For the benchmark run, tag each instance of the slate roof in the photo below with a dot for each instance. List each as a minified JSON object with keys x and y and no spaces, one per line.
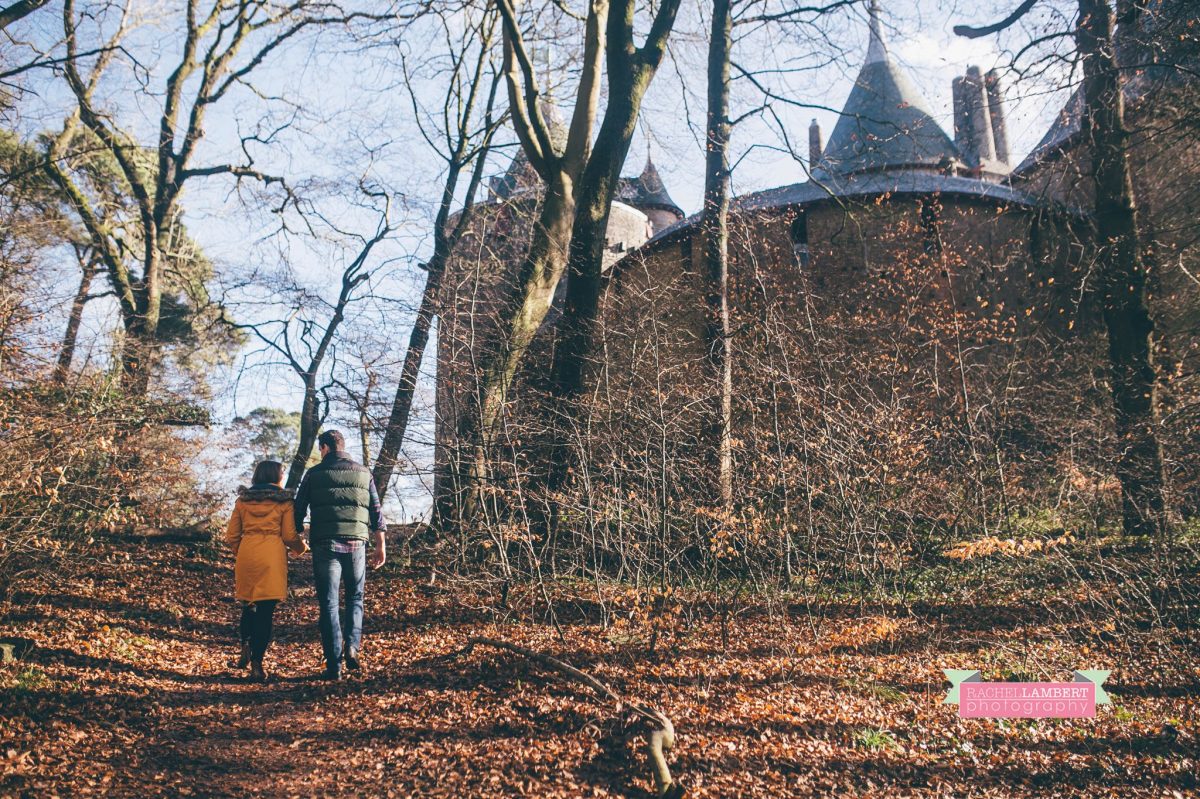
{"x":871,"y":184}
{"x":520,"y":175}
{"x":878,"y":183}
{"x":885,"y":142}
{"x":1069,"y":122}
{"x":885,"y":123}
{"x":647,"y":191}
{"x":1065,"y":127}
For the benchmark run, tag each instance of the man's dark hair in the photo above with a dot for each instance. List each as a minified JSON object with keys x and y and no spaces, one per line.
{"x":268,"y":472}
{"x":332,"y":439}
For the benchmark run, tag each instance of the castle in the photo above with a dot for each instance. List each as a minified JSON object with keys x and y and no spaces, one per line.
{"x":892,"y":201}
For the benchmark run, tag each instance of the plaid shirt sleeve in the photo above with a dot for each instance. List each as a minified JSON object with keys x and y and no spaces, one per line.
{"x":375,"y":509}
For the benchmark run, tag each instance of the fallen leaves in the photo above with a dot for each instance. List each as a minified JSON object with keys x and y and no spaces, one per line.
{"x":119,"y":698}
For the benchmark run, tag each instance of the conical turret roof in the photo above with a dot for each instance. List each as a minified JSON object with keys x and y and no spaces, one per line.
{"x":647,"y":190}
{"x":885,"y":123}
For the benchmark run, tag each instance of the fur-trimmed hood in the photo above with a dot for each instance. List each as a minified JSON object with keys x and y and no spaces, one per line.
{"x":267,"y":493}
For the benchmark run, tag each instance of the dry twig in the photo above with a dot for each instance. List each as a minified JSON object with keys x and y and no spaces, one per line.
{"x":660,"y":740}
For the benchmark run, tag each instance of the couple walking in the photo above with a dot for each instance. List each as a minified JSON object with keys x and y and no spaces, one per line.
{"x":340,"y":496}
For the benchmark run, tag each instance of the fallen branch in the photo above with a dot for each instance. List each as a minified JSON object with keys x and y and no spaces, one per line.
{"x":659,"y":741}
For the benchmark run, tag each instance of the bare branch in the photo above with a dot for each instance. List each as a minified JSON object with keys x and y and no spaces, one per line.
{"x":987,"y":30}
{"x":18,"y":10}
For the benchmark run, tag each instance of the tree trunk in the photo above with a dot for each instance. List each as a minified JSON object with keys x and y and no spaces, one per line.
{"x":715,"y":237}
{"x":446,"y":235}
{"x":418,"y":338}
{"x":364,"y":435}
{"x":630,"y":72}
{"x":540,"y":272}
{"x":141,"y":347}
{"x":71,"y":336}
{"x":310,"y":425}
{"x":575,"y":332}
{"x":1123,"y":277}
{"x":576,"y":327}
{"x":137,"y":351}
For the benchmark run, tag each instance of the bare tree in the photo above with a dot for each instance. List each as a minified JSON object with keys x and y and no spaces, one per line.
{"x":221,"y":46}
{"x":464,"y":142}
{"x":1123,"y":275}
{"x":754,"y":16}
{"x":34,"y":227}
{"x":305,"y":344}
{"x":560,"y":165}
{"x":715,"y":235}
{"x":579,"y":187}
{"x":559,"y":162}
{"x":630,"y":71}
{"x":1123,"y":284}
{"x":88,"y":267}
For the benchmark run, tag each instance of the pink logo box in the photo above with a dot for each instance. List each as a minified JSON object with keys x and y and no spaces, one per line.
{"x":1027,"y":700}
{"x":977,"y":699}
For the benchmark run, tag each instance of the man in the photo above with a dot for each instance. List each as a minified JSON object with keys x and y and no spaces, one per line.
{"x":341,"y":497}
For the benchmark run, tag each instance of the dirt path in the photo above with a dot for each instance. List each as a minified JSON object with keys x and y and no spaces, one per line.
{"x":129,"y":692}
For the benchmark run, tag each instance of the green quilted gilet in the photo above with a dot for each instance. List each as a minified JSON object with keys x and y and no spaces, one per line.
{"x":339,"y":498}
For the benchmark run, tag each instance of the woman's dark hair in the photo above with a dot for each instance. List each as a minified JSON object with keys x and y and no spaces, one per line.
{"x":268,"y":472}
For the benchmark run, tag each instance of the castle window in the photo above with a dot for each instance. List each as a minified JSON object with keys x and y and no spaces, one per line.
{"x":799,"y":236}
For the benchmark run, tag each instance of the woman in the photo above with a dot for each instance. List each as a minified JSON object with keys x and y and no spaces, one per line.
{"x":262,"y":524}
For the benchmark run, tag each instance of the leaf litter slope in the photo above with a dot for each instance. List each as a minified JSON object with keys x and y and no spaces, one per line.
{"x":128,"y":690}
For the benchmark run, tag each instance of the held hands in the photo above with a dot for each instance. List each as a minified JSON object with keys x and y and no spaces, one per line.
{"x":302,"y":551}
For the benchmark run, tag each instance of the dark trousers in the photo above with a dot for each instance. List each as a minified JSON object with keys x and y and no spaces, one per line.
{"x":337,"y":564}
{"x":258,"y":625}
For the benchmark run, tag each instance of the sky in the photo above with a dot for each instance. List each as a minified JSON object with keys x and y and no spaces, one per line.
{"x":342,"y":117}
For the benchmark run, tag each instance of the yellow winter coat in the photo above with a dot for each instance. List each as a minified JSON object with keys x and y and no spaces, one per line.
{"x":263,"y":521}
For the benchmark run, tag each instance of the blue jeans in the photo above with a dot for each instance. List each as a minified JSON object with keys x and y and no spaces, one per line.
{"x":332,"y":568}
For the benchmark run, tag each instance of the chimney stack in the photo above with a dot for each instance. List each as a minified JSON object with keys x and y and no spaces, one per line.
{"x":972,"y":122}
{"x":814,"y":145}
{"x":995,"y":101}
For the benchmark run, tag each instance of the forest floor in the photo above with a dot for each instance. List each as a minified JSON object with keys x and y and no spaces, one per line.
{"x":128,"y":690}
